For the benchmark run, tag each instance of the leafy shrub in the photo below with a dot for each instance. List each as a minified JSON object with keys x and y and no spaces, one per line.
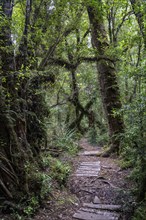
{"x":58,"y":170}
{"x":140,"y":213}
{"x":66,"y":140}
{"x":33,"y":204}
{"x":133,"y":149}
{"x":97,"y":137}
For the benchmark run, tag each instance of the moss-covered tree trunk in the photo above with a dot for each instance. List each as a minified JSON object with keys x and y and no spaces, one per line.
{"x":75,"y":91}
{"x":14,"y":145}
{"x":15,"y":150}
{"x":107,"y":75}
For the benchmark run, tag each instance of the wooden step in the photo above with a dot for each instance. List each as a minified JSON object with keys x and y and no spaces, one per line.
{"x":90,"y":153}
{"x":88,"y":169}
{"x":103,"y":206}
{"x":90,"y":214}
{"x":86,"y":175}
{"x":91,"y":163}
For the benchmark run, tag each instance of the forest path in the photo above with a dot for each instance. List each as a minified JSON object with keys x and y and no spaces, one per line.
{"x":97,"y":189}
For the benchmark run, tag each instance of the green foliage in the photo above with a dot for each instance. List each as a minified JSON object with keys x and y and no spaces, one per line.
{"x":33,"y":204}
{"x":67,"y":142}
{"x":133,"y":146}
{"x":140,"y":212}
{"x":64,"y":139}
{"x":58,"y":170}
{"x":35,"y":110}
{"x":92,"y":136}
{"x":38,"y":179}
{"x":18,"y":22}
{"x":95,"y":136}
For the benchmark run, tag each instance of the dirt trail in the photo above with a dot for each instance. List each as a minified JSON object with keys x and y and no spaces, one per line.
{"x":98,"y":194}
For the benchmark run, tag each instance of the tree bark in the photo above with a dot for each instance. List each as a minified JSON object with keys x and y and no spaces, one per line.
{"x":6,"y":49}
{"x":16,"y":149}
{"x":107,"y":76}
{"x":24,"y":56}
{"x":75,"y":92}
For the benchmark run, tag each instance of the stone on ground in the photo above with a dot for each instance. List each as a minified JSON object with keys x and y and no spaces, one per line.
{"x":96,"y":200}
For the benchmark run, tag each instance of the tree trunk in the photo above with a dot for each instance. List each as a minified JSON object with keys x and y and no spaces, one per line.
{"x":24,"y":57}
{"x":6,"y":50}
{"x":85,"y":111}
{"x":75,"y":92}
{"x":16,"y":149}
{"x":107,"y":77}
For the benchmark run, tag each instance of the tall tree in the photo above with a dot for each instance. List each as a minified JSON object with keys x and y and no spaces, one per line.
{"x":139,"y":8}
{"x":107,"y":74}
{"x":17,"y":148}
{"x":11,"y":110}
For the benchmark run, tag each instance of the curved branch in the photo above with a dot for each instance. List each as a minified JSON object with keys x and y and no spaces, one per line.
{"x":52,"y":48}
{"x":70,"y":66}
{"x":136,"y":6}
{"x":62,"y":63}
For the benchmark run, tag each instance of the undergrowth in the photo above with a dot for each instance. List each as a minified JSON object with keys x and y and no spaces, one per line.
{"x":58,"y":170}
{"x":133,"y":151}
{"x":54,"y":170}
{"x":140,"y":212}
{"x":95,"y":136}
{"x":64,"y":139}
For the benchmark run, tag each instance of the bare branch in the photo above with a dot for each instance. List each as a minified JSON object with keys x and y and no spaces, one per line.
{"x":125,"y":17}
{"x":57,"y":104}
{"x":85,"y":35}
